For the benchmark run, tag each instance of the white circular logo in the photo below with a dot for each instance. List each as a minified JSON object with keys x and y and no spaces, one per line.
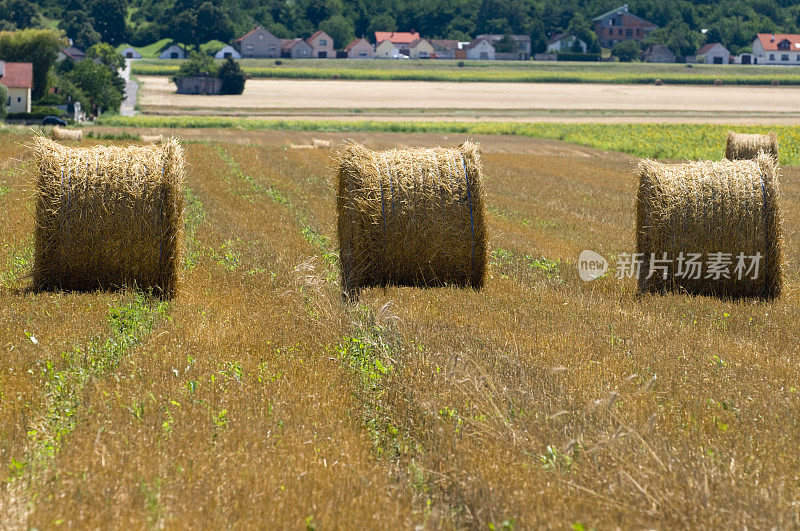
{"x":591,"y":266}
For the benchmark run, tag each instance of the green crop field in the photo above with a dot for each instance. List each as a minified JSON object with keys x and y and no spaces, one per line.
{"x":500,"y":71}
{"x":670,"y":141}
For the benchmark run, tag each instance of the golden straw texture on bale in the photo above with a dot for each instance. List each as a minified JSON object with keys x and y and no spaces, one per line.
{"x":745,"y":146}
{"x":108,"y":217}
{"x":710,"y":207}
{"x":67,"y":134}
{"x":153,"y":139}
{"x":411,"y":217}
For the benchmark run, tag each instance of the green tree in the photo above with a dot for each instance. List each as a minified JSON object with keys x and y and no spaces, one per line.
{"x":80,"y":28}
{"x":99,"y":84}
{"x":627,"y":51}
{"x":36,"y":46}
{"x":109,"y":20}
{"x":198,"y":65}
{"x":506,"y":45}
{"x":233,"y":79}
{"x":3,"y":97}
{"x":19,"y":12}
{"x":340,"y":29}
{"x":107,"y":55}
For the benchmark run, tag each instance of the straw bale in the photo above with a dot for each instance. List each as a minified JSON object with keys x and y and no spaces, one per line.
{"x":745,"y":146}
{"x":152,"y":139}
{"x":705,"y":208}
{"x":108,"y":217}
{"x":317,"y":143}
{"x":411,"y":217}
{"x":301,"y":146}
{"x":59,"y":133}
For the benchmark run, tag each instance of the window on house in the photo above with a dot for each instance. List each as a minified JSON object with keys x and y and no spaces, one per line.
{"x":271,"y":48}
{"x":628,"y":33}
{"x":323,"y":42}
{"x":249,"y":47}
{"x":784,"y":57}
{"x":362,"y":53}
{"x":19,"y":100}
{"x":772,"y":57}
{"x":8,"y":103}
{"x":484,"y":55}
{"x":783,"y":45}
{"x":305,"y":52}
{"x":611,"y":22}
{"x":261,"y":37}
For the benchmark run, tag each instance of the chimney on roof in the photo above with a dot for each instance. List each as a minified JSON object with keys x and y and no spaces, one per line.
{"x":772,"y":39}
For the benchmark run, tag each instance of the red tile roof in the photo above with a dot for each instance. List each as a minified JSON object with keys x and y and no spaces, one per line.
{"x":18,"y":75}
{"x":770,"y":41}
{"x":396,"y":37}
{"x":248,"y":33}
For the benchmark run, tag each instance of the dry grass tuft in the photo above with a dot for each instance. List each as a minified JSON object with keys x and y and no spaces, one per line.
{"x":748,"y":146}
{"x":411,"y":217}
{"x":108,"y":216}
{"x":59,"y":133}
{"x":703,"y":208}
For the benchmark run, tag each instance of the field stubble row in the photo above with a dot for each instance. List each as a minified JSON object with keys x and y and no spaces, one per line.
{"x":537,"y":401}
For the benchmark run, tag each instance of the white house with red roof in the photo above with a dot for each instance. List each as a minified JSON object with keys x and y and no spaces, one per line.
{"x":776,"y":49}
{"x":18,"y":80}
{"x":401,"y":39}
{"x":321,"y":45}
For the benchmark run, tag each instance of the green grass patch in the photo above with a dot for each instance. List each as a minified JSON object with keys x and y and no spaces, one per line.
{"x":660,"y":141}
{"x":520,"y":72}
{"x":65,"y":379}
{"x":19,"y":261}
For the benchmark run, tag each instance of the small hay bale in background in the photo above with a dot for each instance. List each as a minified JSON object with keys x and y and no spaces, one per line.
{"x":659,"y":82}
{"x":108,"y":217}
{"x":152,"y":139}
{"x":704,"y":208}
{"x":301,"y":146}
{"x":411,"y":217}
{"x":59,"y":133}
{"x":745,"y":146}
{"x":317,"y":143}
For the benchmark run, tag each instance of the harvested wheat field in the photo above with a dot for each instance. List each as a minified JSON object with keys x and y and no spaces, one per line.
{"x":260,"y":397}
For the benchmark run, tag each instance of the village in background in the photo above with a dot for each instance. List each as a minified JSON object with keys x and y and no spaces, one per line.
{"x":45,"y":76}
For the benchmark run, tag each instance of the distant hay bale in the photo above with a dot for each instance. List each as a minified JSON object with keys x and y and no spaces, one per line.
{"x":59,"y":133}
{"x":108,"y":217}
{"x":411,"y":217}
{"x":659,"y":82}
{"x":317,"y":143}
{"x":301,"y":146}
{"x":745,"y":146}
{"x":697,"y":210}
{"x":717,"y":82}
{"x":152,"y":139}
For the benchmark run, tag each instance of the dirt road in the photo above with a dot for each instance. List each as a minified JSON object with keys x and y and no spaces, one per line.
{"x":497,"y":101}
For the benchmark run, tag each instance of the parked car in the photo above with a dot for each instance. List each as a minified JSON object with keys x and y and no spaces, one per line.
{"x":53,"y":120}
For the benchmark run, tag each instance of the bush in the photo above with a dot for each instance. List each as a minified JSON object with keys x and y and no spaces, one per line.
{"x":46,"y":111}
{"x":627,"y":51}
{"x":198,"y":65}
{"x":573,"y":56}
{"x":232,"y":77}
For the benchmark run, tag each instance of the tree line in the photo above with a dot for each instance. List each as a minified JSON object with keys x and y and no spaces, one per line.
{"x":734,"y":23}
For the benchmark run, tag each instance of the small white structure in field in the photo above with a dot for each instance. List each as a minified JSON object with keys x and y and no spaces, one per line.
{"x":173,"y":52}
{"x":227,"y":51}
{"x":130,"y":53}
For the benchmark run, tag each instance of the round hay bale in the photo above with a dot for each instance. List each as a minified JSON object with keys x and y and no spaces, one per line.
{"x":746,"y":146}
{"x":320,"y":144}
{"x":723,"y":215}
{"x":718,"y":82}
{"x":411,"y":217}
{"x":108,"y":217}
{"x":775,"y":83}
{"x":659,"y":82}
{"x":59,"y":133}
{"x":152,"y":139}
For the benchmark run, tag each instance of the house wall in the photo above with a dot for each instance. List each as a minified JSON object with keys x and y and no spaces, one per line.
{"x":720,"y":54}
{"x":385,"y":50}
{"x":774,"y":57}
{"x":260,"y":43}
{"x":443,"y":53}
{"x":356,"y":51}
{"x":301,"y":50}
{"x":198,"y":85}
{"x":18,"y":100}
{"x":482,"y":52}
{"x":423,"y":50}
{"x":320,"y":50}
